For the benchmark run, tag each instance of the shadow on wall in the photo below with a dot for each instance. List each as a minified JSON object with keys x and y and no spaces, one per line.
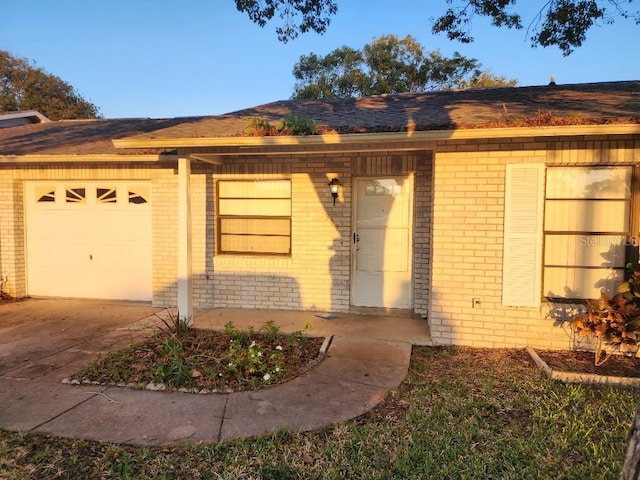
{"x":237,"y":290}
{"x":256,"y":291}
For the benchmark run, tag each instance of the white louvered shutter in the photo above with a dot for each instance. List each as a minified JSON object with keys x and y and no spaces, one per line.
{"x":523,"y":220}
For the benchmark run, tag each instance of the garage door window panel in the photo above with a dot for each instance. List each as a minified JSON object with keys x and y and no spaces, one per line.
{"x":76,"y":195}
{"x":106,"y":195}
{"x":138,"y":196}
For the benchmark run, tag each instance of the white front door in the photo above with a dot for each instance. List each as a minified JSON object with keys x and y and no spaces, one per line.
{"x":381,"y":243}
{"x":89,"y":239}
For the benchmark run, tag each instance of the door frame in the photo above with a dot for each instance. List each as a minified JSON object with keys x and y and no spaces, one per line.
{"x":354,"y":211}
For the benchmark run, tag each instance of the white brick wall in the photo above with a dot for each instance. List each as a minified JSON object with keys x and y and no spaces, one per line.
{"x":468,"y":216}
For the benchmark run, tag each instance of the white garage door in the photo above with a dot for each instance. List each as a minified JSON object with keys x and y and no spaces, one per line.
{"x":89,"y":239}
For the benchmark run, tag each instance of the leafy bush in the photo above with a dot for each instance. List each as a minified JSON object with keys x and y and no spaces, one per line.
{"x":614,"y":322}
{"x":292,"y":124}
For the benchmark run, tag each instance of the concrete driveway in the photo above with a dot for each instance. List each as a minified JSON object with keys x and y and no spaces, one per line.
{"x":43,"y":341}
{"x":54,"y":337}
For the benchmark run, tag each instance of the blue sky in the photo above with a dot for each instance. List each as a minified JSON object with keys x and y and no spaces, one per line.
{"x":173,"y":58}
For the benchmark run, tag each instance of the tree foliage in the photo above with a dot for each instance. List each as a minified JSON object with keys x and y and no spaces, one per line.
{"x":298,"y":16}
{"x":26,"y":87}
{"x":387,"y":65}
{"x":561,"y":23}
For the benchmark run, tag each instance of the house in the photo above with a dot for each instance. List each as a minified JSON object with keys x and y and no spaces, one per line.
{"x":479,"y":210}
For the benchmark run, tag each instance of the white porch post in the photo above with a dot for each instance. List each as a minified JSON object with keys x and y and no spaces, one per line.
{"x":185,"y":284}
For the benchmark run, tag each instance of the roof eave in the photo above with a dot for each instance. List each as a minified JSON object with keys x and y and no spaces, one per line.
{"x":80,"y":158}
{"x":352,"y":138}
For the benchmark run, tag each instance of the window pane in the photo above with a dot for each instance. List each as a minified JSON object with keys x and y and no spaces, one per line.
{"x":257,"y":207}
{"x":106,"y":195}
{"x":581,"y":282}
{"x":258,"y":226}
{"x":45,"y":194}
{"x":139,"y":195}
{"x":585,"y":250}
{"x":255,"y":189}
{"x":573,"y":182}
{"x":587,"y":215}
{"x":76,"y":195}
{"x":254,"y":244}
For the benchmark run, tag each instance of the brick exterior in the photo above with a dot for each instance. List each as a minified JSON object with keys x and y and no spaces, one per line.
{"x":317,"y":274}
{"x":457,"y":231}
{"x":468,"y":217}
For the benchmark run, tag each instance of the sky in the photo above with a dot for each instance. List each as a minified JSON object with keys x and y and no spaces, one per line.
{"x":176,"y":58}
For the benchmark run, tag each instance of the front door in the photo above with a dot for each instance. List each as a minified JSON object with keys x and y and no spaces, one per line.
{"x":381,"y":243}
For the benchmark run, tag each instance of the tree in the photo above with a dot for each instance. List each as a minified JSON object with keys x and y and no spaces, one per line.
{"x":387,"y":65}
{"x":315,"y":15}
{"x":26,"y":87}
{"x":561,"y":23}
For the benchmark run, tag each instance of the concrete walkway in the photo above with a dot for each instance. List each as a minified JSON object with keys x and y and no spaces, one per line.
{"x":356,"y":373}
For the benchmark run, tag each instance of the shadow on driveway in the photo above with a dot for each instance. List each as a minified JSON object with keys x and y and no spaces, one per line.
{"x":54,"y":337}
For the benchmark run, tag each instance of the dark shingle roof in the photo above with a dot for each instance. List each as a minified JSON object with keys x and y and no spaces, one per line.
{"x":74,"y":137}
{"x":582,"y":103}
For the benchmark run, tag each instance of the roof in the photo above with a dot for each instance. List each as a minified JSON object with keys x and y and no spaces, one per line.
{"x":75,"y":137}
{"x":24,"y":117}
{"x":497,"y":108}
{"x":590,"y":103}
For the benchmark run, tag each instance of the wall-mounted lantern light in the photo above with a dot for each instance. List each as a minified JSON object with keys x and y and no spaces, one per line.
{"x":334,"y":185}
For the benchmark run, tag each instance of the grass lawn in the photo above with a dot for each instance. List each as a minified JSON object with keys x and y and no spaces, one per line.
{"x":460,"y":413}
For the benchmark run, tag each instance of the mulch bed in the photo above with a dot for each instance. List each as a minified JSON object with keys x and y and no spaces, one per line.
{"x":583,"y":362}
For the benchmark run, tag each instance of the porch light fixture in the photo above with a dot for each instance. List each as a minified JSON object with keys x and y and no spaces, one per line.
{"x":334,"y":185}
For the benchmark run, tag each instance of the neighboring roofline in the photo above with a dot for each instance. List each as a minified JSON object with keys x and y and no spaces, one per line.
{"x":351,"y":138}
{"x":91,"y":158}
{"x":24,"y":114}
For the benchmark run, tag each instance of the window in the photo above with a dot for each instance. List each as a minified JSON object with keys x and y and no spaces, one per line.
{"x":139,"y":196}
{"x":106,"y":195}
{"x":586,"y":229}
{"x":254,"y":217}
{"x":45,"y":194}
{"x":76,"y":195}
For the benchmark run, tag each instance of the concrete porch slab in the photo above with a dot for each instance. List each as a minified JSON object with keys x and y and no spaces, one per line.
{"x":414,"y":331}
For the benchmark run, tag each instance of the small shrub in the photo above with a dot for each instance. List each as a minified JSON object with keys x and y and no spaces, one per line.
{"x":614,"y":322}
{"x":271,"y":331}
{"x":174,"y":325}
{"x":259,"y":127}
{"x":294,"y":124}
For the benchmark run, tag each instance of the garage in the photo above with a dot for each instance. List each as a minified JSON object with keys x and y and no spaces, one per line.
{"x":89,"y":239}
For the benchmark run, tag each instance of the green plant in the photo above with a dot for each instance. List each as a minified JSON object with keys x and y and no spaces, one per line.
{"x":294,"y":124}
{"x":172,"y":369}
{"x":242,"y":337}
{"x":614,"y":322}
{"x":174,"y":324}
{"x":259,"y":127}
{"x":271,"y":331}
